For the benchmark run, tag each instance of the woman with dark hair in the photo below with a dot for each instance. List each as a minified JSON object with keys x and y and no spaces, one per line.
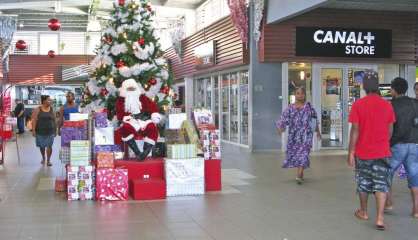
{"x":301,"y":120}
{"x":44,"y":128}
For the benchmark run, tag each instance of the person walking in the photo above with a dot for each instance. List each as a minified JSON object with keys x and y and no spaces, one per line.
{"x":371,"y":119}
{"x":19,"y":113}
{"x":301,"y":120}
{"x":404,"y":141}
{"x":44,"y":128}
{"x":69,"y":107}
{"x":416,"y":90}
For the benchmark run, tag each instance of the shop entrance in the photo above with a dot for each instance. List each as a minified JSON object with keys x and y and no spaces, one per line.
{"x":335,"y":88}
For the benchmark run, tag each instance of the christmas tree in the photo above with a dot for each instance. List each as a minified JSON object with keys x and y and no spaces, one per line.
{"x":129,"y":49}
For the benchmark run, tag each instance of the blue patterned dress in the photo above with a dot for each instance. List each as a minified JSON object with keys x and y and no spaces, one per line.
{"x":299,"y":141}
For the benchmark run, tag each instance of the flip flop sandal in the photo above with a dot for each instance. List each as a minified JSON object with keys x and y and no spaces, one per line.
{"x":49,"y":164}
{"x":358,"y":216}
{"x":380,"y":227}
{"x":299,"y":181}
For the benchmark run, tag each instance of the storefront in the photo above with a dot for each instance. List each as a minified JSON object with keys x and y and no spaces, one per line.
{"x":213,"y":69}
{"x":328,"y":59}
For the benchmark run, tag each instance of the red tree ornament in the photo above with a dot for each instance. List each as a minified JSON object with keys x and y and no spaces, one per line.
{"x":165,"y":90}
{"x":141,"y":41}
{"x":54,"y":24}
{"x":152,"y":81}
{"x":21,"y":45}
{"x":120,"y":64}
{"x":104,"y":92}
{"x":108,"y":39}
{"x":121,"y":2}
{"x":149,"y":8}
{"x":51,"y":53}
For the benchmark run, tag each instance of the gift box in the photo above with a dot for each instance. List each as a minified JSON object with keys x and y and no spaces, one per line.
{"x":65,"y":155}
{"x":215,"y":152}
{"x":174,"y":136}
{"x":108,"y":148}
{"x":75,"y":124}
{"x":190,"y":132}
{"x":78,"y":116}
{"x":184,"y":176}
{"x":148,"y":189}
{"x":213,"y":175}
{"x":80,"y":182}
{"x":69,"y":134}
{"x":104,"y":136}
{"x":100,"y":119}
{"x":181,"y":151}
{"x":112,"y":184}
{"x":175,"y":120}
{"x":174,"y":110}
{"x":215,"y":138}
{"x":105,"y":160}
{"x":150,"y":168}
{"x":80,"y":153}
{"x":60,"y":184}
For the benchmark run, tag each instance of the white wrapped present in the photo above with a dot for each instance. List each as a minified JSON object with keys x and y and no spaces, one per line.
{"x":185,"y":176}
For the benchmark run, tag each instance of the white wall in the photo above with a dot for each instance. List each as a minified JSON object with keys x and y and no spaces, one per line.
{"x":278,"y":10}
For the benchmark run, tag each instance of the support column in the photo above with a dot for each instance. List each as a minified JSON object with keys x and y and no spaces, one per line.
{"x":188,"y":95}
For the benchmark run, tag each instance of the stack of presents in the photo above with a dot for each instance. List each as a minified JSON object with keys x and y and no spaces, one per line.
{"x":98,"y":165}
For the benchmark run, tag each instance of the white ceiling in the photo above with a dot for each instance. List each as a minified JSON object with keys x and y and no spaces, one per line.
{"x":74,"y":14}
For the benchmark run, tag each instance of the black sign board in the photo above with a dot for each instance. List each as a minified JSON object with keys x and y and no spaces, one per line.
{"x":342,"y":42}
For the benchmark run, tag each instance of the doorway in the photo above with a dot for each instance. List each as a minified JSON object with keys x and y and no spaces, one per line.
{"x":336,"y":88}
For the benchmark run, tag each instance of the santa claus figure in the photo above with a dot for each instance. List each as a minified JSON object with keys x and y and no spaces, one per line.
{"x":139,"y":116}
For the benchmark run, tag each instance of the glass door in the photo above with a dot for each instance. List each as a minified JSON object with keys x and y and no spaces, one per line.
{"x":336,"y":88}
{"x":332,"y":107}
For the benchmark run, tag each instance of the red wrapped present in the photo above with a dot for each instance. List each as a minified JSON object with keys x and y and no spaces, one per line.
{"x":105,"y":159}
{"x":112,"y":184}
{"x":76,"y":124}
{"x":60,"y":184}
{"x":148,"y":189}
{"x":150,"y":168}
{"x":213,"y":176}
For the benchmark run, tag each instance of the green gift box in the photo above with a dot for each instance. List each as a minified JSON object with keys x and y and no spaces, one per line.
{"x":176,"y":151}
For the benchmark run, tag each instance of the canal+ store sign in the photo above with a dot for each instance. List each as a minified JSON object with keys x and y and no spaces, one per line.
{"x":339,"y":42}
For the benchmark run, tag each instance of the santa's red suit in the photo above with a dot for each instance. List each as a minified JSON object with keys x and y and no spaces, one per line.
{"x":139,"y":116}
{"x":147,"y":129}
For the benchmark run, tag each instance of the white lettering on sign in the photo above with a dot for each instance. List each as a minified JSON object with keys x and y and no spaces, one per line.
{"x":357,"y":43}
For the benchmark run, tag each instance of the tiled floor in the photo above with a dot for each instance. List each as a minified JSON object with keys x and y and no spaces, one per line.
{"x":260,"y":201}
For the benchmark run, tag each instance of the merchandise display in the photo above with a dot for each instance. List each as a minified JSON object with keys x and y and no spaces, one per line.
{"x":104,"y":136}
{"x":80,"y":153}
{"x":100,"y":120}
{"x":174,"y":136}
{"x":105,"y":159}
{"x":175,"y":120}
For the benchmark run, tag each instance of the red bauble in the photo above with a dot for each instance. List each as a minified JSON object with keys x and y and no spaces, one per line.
{"x":152,"y":81}
{"x":21,"y":45}
{"x":120,"y":64}
{"x":141,"y":41}
{"x":121,"y":2}
{"x":54,"y":24}
{"x":149,"y":8}
{"x":165,"y":90}
{"x":108,"y":39}
{"x":51,"y":53}
{"x":104,"y":92}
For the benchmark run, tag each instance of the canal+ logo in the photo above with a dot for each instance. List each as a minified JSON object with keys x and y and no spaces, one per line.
{"x":356,"y":42}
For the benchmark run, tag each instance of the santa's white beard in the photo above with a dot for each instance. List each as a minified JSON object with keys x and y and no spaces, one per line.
{"x":132,"y":103}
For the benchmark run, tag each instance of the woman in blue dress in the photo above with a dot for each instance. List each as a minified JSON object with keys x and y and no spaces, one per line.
{"x":301,"y":120}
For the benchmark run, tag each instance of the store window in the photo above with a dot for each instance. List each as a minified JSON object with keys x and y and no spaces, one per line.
{"x":300,"y":75}
{"x":226,"y":95}
{"x":47,"y":42}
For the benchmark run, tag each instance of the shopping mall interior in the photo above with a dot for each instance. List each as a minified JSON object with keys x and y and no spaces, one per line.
{"x":161,"y":117}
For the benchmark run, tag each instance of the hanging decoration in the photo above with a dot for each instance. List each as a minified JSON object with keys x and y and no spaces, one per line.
{"x":152,"y":81}
{"x":8,"y":26}
{"x":258,"y":18}
{"x":21,"y":45}
{"x":121,"y":2}
{"x":239,"y":17}
{"x":51,"y":53}
{"x":178,"y":34}
{"x":54,"y":24}
{"x":120,"y":64}
{"x":141,"y":41}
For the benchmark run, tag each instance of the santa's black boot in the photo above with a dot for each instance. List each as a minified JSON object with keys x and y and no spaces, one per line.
{"x":134,"y":147}
{"x":147,"y":149}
